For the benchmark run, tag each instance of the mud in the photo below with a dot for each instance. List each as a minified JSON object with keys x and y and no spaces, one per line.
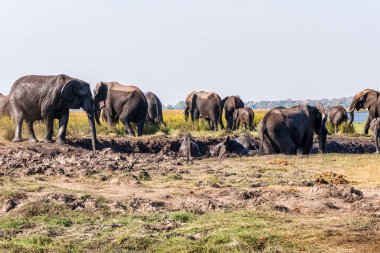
{"x":132,"y":175}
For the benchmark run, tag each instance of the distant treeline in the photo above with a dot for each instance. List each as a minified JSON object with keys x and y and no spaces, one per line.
{"x":345,"y":101}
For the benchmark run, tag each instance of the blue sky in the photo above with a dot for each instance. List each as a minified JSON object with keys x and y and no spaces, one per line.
{"x":261,"y":50}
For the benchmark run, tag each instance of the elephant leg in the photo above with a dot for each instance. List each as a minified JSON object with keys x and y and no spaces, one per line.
{"x":18,"y":122}
{"x":32,"y":136}
{"x":49,"y":130}
{"x":285,"y":144}
{"x":229,"y":123}
{"x":237,"y":124}
{"x":63,"y":121}
{"x":128,"y":128}
{"x":140,"y":126}
{"x":215,"y":123}
{"x":366,"y":127}
{"x":210,"y":126}
{"x":377,"y":144}
{"x":221,"y":123}
{"x":110,"y":119}
{"x":245,"y":126}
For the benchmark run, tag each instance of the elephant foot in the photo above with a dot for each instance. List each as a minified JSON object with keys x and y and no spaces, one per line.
{"x":33,"y":140}
{"x":377,"y":152}
{"x":48,"y":141}
{"x":17,"y":139}
{"x":60,"y":141}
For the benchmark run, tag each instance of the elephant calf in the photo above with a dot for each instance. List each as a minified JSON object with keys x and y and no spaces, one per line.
{"x":239,"y":146}
{"x":189,"y":148}
{"x":245,"y":116}
{"x":337,"y":115}
{"x":375,"y":128}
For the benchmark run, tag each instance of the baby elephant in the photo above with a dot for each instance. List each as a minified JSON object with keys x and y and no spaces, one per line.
{"x":189,"y":148}
{"x":245,"y":116}
{"x":375,"y":127}
{"x":239,"y":146}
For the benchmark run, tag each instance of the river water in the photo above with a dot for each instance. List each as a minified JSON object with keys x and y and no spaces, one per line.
{"x":360,"y":117}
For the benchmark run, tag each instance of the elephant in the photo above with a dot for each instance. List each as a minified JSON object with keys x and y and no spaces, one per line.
{"x":5,"y":108}
{"x":291,"y":131}
{"x":242,"y":146}
{"x":189,"y":148}
{"x":37,"y":97}
{"x":366,"y":99}
{"x":206,"y":105}
{"x":230,"y":105}
{"x":245,"y":116}
{"x":248,"y":143}
{"x":125,"y":103}
{"x":337,"y":115}
{"x":375,"y":128}
{"x":154,"y":115}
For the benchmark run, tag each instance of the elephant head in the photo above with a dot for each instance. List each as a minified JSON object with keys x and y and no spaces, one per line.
{"x":77,"y":94}
{"x":190,"y":104}
{"x":362,"y":100}
{"x":100,"y":96}
{"x":320,"y":118}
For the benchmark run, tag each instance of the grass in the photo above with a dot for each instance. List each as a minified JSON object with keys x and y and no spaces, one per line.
{"x":175,"y":125}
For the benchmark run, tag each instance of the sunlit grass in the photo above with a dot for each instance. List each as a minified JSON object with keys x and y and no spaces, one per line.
{"x":175,"y":125}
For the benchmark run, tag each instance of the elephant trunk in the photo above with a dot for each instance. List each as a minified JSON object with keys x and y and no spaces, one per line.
{"x":351,"y":116}
{"x":187,"y":114}
{"x":97,"y":113}
{"x":91,"y":121}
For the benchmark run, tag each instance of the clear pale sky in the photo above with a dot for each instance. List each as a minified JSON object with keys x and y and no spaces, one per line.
{"x":262,"y":50}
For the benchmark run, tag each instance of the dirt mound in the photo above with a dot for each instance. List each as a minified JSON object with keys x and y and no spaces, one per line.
{"x":331,"y":178}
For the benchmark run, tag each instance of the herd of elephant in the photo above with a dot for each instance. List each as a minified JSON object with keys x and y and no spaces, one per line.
{"x":282,"y":130}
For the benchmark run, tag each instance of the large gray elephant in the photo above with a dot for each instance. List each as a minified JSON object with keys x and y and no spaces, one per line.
{"x":337,"y":115}
{"x":206,"y":105}
{"x":5,"y":108}
{"x":50,"y":97}
{"x":366,"y":99}
{"x":230,"y":104}
{"x":125,"y":103}
{"x":289,"y":131}
{"x":154,"y":115}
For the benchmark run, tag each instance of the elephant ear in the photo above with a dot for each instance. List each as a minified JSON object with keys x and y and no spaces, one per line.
{"x":371,"y":97}
{"x":100,"y":92}
{"x":70,"y":94}
{"x":358,"y":96}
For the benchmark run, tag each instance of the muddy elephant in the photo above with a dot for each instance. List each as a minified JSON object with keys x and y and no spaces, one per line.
{"x":230,"y":105}
{"x":243,"y":116}
{"x":189,"y":147}
{"x":239,"y":146}
{"x":366,"y":99}
{"x":154,"y":115}
{"x":375,"y":128}
{"x":5,"y":108}
{"x":337,"y":115}
{"x":290,"y":131}
{"x":50,"y":97}
{"x":124,"y":103}
{"x":206,"y":105}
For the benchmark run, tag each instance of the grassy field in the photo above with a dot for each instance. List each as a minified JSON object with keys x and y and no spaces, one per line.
{"x":175,"y":125}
